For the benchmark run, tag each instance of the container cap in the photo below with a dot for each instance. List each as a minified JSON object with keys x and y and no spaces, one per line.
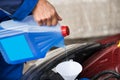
{"x":65,"y":31}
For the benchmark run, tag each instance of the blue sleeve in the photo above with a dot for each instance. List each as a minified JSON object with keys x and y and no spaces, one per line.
{"x":25,"y":9}
{"x":10,"y":6}
{"x":18,"y":9}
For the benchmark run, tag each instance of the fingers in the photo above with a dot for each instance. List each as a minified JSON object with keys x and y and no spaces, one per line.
{"x":54,"y":21}
{"x":45,"y":14}
{"x":45,"y":21}
{"x":40,"y":23}
{"x":50,"y":21}
{"x":58,"y":17}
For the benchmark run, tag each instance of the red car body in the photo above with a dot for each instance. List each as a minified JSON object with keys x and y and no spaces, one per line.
{"x":106,"y":59}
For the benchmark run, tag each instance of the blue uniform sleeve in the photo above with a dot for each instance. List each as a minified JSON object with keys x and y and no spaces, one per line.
{"x":18,"y":9}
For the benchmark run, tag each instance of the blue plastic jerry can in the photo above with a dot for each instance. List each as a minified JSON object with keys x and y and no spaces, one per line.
{"x":24,"y":41}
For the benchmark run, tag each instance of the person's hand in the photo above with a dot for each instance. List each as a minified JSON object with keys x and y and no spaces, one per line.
{"x":45,"y":14}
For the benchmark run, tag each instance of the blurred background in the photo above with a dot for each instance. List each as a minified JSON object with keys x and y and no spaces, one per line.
{"x":89,"y":18}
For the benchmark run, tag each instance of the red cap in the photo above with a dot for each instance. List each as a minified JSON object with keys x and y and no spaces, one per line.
{"x":65,"y":31}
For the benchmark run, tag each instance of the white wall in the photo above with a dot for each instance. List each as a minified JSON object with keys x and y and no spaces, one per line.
{"x":89,"y":18}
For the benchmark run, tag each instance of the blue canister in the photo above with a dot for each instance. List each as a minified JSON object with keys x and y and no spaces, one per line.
{"x":24,"y":41}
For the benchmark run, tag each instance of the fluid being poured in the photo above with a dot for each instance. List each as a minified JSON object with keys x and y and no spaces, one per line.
{"x":25,"y":40}
{"x":66,"y":53}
